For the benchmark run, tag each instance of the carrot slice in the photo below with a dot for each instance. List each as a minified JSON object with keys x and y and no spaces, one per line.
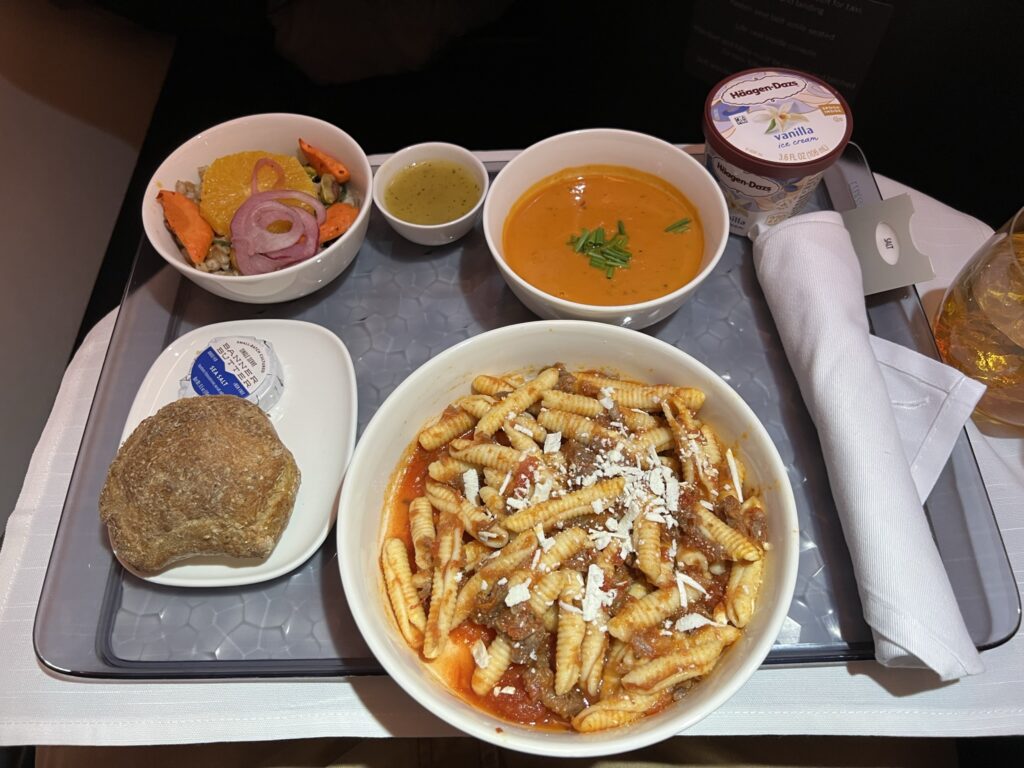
{"x":185,"y":221}
{"x":323,"y":163}
{"x":339,"y":218}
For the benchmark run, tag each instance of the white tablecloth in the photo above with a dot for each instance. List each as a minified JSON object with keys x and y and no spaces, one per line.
{"x":37,"y":707}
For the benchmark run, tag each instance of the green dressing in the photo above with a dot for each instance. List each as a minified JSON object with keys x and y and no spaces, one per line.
{"x":431,"y":192}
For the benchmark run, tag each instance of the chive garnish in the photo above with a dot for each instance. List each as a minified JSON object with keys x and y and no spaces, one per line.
{"x":602,"y":253}
{"x":678,"y":227}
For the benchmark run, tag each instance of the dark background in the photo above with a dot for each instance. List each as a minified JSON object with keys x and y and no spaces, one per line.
{"x":937,"y":108}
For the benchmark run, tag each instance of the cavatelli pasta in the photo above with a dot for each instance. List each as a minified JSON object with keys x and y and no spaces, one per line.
{"x":517,"y":401}
{"x":546,"y":510}
{"x":499,"y":656}
{"x":555,"y":521}
{"x":452,"y":423}
{"x":404,"y":598}
{"x":421,"y":528}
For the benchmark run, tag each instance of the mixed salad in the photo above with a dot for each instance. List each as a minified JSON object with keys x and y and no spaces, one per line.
{"x":258,"y":212}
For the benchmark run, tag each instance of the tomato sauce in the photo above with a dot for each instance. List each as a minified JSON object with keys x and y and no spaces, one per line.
{"x":456,"y":667}
{"x":410,"y":483}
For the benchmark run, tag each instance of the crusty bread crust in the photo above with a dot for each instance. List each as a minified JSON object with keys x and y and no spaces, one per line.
{"x":202,"y":476}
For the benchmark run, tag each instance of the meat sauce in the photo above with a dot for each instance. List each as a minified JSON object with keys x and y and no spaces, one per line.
{"x":411,"y":484}
{"x":455,"y":666}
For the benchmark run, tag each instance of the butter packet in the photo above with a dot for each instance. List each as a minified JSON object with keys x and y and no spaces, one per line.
{"x":243,"y":366}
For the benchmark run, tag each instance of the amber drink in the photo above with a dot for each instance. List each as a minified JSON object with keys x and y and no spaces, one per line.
{"x":980,"y":324}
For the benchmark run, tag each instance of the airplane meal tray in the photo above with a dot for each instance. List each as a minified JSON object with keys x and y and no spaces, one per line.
{"x":395,"y":307}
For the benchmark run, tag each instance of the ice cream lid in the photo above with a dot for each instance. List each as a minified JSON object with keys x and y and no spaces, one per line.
{"x":243,"y":366}
{"x":779,"y":123}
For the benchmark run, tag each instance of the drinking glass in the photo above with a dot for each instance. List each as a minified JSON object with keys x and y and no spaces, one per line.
{"x":980,"y":324}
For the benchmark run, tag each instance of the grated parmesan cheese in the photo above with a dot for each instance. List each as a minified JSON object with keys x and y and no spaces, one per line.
{"x":684,"y":600}
{"x":553,"y":442}
{"x":672,"y":493}
{"x":545,"y":541}
{"x":656,"y":480}
{"x":691,"y":582}
{"x":541,"y":492}
{"x":594,"y":598}
{"x":505,"y":482}
{"x":516,"y":504}
{"x":693,"y":621}
{"x":735,"y":474}
{"x":517,"y":594}
{"x":480,"y":654}
{"x":471,"y":484}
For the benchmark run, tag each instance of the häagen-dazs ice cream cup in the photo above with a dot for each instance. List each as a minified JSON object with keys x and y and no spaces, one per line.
{"x":770,"y":135}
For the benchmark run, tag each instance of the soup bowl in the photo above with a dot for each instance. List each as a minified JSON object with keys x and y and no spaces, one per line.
{"x":605,"y":146}
{"x":278,"y":133}
{"x":529,"y":346}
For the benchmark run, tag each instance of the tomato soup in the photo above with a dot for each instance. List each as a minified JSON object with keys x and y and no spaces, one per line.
{"x":605,"y":235}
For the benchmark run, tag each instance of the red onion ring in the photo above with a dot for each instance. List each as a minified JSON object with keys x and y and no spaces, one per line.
{"x":257,"y":250}
{"x":257,"y":226}
{"x":287,"y":194}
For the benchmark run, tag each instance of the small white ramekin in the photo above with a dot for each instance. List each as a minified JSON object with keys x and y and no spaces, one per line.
{"x":431,"y":234}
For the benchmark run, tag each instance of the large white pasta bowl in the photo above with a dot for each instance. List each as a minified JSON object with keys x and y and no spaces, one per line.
{"x":606,"y":146}
{"x":526,"y":347}
{"x":272,"y":132}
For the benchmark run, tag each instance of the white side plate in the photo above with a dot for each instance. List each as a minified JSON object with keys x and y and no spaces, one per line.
{"x":315,"y":418}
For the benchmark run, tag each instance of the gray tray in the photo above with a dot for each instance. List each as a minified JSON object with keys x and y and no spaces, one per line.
{"x":395,"y":307}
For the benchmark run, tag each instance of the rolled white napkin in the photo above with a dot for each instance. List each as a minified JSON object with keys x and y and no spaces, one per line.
{"x":811,"y":278}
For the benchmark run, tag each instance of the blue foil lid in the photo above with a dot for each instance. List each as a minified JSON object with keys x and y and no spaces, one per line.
{"x":242,"y":366}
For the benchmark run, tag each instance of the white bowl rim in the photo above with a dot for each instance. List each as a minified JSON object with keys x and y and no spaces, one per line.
{"x":364,"y":209}
{"x":395,"y":157}
{"x":603,"y":742}
{"x":565,"y":304}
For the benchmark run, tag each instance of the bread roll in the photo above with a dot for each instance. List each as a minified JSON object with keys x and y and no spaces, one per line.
{"x":203,"y":476}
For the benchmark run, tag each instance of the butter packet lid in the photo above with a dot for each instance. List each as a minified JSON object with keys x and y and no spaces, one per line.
{"x":243,"y":366}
